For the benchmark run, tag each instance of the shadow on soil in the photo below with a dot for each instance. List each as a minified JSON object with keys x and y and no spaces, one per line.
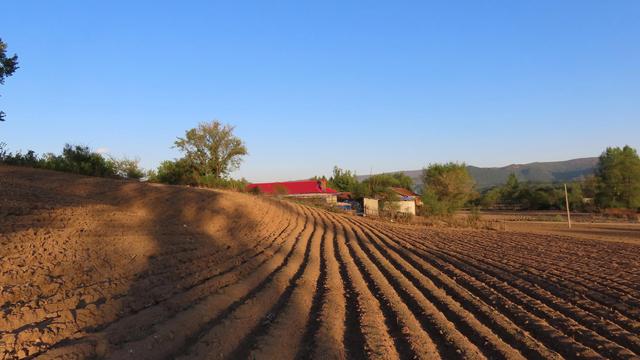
{"x":108,"y":250}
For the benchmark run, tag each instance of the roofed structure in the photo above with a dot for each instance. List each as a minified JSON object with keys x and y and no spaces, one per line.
{"x":303,"y":187}
{"x":407,"y":195}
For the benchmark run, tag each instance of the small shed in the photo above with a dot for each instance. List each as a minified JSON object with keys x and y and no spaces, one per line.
{"x":407,"y":195}
{"x":405,"y":206}
{"x":370,"y":207}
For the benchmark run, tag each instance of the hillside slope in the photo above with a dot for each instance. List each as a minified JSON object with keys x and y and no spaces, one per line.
{"x":97,"y":268}
{"x":542,"y":172}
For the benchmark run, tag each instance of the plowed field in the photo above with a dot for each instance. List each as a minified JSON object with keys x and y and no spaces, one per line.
{"x":98,"y":268}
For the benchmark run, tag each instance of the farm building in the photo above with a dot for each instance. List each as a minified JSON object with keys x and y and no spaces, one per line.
{"x":405,"y":206}
{"x":407,"y":195}
{"x":370,"y":207}
{"x":301,"y":189}
{"x":407,"y":202}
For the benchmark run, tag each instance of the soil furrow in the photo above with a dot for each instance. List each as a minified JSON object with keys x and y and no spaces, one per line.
{"x":283,"y":337}
{"x":592,"y":333}
{"x":378,"y":344}
{"x":410,"y":338}
{"x":497,"y":322}
{"x":232,"y":334}
{"x":354,"y":340}
{"x":435,"y":300}
{"x":508,"y":298}
{"x":599,"y":298}
{"x":329,"y":328}
{"x":96,"y":268}
{"x":177,"y":334}
{"x":137,"y":326}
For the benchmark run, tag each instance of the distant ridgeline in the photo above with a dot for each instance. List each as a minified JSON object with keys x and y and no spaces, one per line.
{"x":539,"y":172}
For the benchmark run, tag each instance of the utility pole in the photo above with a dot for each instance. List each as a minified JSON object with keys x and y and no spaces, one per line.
{"x":566,"y":198}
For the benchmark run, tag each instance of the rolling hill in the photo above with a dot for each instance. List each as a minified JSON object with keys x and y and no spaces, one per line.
{"x":541,"y":172}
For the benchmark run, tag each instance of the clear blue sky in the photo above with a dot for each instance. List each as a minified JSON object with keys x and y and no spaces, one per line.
{"x":365,"y":86}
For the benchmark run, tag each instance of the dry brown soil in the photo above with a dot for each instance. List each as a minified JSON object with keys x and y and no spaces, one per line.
{"x":618,"y":232}
{"x":583,"y":226}
{"x":98,"y":268}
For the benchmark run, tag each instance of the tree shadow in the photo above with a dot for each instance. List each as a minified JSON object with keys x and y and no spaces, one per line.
{"x":91,"y":263}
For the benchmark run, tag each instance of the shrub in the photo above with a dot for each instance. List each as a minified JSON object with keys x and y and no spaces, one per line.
{"x":474,"y":216}
{"x":79,"y":159}
{"x":127,"y":168}
{"x":30,"y":158}
{"x":379,"y":185}
{"x":176,"y":172}
{"x":237,"y":185}
{"x":220,"y":183}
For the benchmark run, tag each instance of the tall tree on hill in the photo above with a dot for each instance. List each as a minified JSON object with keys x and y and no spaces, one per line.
{"x":343,"y":180}
{"x":212,"y":149}
{"x":8,"y":65}
{"x":447,"y":187}
{"x":618,"y":175}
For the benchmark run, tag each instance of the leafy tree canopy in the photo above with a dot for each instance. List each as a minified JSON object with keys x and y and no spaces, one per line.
{"x":343,"y":180}
{"x":447,"y":187}
{"x":8,"y":65}
{"x":381,"y":182}
{"x":212,"y":149}
{"x":618,"y":175}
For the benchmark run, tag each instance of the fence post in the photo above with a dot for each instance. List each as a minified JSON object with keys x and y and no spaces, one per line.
{"x":566,"y":198}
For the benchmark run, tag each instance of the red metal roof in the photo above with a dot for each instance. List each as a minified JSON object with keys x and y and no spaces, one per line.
{"x":294,"y":187}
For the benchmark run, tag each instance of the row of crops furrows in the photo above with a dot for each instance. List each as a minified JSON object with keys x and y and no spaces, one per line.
{"x":174,"y":288}
{"x":324,"y":285}
{"x":558,"y":306}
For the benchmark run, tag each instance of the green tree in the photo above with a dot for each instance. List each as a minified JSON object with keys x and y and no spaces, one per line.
{"x":79,"y":159}
{"x":212,"y":149}
{"x":177,"y":172}
{"x":590,"y":186}
{"x":447,"y":187}
{"x":491,"y":197}
{"x":8,"y":65}
{"x":379,"y":185}
{"x":576,"y":196}
{"x":127,"y":168}
{"x":389,"y":203}
{"x":403,"y":181}
{"x":618,"y":175}
{"x":343,"y":180}
{"x":361,"y":190}
{"x":511,"y":191}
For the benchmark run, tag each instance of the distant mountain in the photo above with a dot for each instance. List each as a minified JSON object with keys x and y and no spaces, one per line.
{"x":540,"y":172}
